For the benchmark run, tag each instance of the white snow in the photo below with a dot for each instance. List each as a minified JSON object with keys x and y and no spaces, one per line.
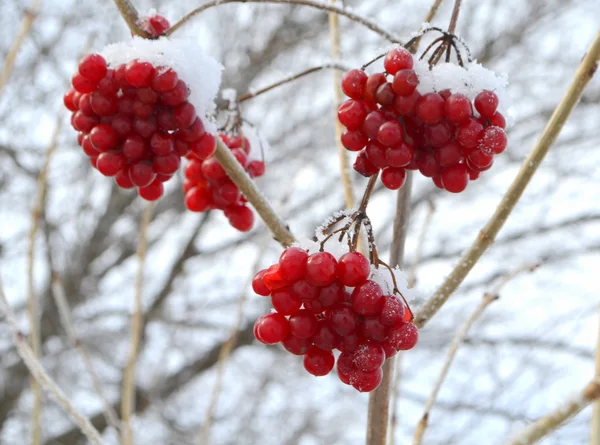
{"x":200,"y":72}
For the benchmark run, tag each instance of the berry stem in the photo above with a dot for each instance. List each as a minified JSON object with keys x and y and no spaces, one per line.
{"x":33,"y":310}
{"x":345,"y":176}
{"x":336,"y":66}
{"x":379,"y":400}
{"x":456,"y":342}
{"x":486,"y":237}
{"x":372,"y":25}
{"x":248,"y":188}
{"x":131,"y":17}
{"x":128,"y":400}
{"x":454,"y":18}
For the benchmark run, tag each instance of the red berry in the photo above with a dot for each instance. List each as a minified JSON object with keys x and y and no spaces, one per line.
{"x":134,"y":148}
{"x":486,"y":103}
{"x":123,"y":125}
{"x":369,"y":356}
{"x":407,"y":104}
{"x":397,"y":59}
{"x":163,"y":80}
{"x":194,"y":132}
{"x":122,"y":179}
{"x":367,"y":298}
{"x":363,"y":166}
{"x":153,"y":191}
{"x":141,"y":174}
{"x":449,"y":154}
{"x":427,"y":163}
{"x":68,"y":100}
{"x":469,"y":134}
{"x":83,"y":84}
{"x":157,"y":25}
{"x":204,"y":147}
{"x":354,"y":140}
{"x":372,"y":122}
{"x":318,"y":362}
{"x":325,"y":337}
{"x":184,"y":114}
{"x":258,"y":286}
{"x":166,"y":165}
{"x":161,"y":144}
{"x":350,"y":342}
{"x":110,"y":163}
{"x":455,"y":178}
{"x":458,"y":108}
{"x":493,"y":141}
{"x":392,"y":312}
{"x":273,"y":279}
{"x":256,"y":169}
{"x":343,"y":319}
{"x":373,"y":329}
{"x":240,"y":217}
{"x":376,"y":154}
{"x":139,"y":74}
{"x":353,"y":83}
{"x":405,"y":82}
{"x":498,"y":120}
{"x":372,"y":85}
{"x":399,"y":155}
{"x":295,"y":345}
{"x":321,"y":269}
{"x":145,"y":127}
{"x":385,"y":94}
{"x":272,"y":328}
{"x":345,"y":366}
{"x":390,"y":133}
{"x":175,"y":96}
{"x":284,"y":302}
{"x":103,"y":137}
{"x":330,"y":295}
{"x":351,"y":114}
{"x":477,"y":160}
{"x":404,"y":337}
{"x":212,"y":170}
{"x":303,"y":324}
{"x":430,"y":108}
{"x":303,"y":290}
{"x":366,"y":381}
{"x":393,"y":178}
{"x":353,"y":269}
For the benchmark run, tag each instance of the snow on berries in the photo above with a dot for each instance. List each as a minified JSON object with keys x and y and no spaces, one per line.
{"x":325,"y":298}
{"x":446,"y":121}
{"x":207,"y":186}
{"x":140,"y":106}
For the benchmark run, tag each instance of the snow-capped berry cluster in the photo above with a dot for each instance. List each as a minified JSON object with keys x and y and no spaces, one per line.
{"x":208,"y":187}
{"x":322,"y":304}
{"x":448,"y":130}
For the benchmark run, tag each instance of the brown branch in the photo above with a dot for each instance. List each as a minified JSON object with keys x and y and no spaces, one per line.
{"x":372,"y":25}
{"x":241,"y":179}
{"x":128,"y":400}
{"x":595,"y":424}
{"x":486,"y":237}
{"x":454,"y":18}
{"x":132,"y":18}
{"x":560,"y":415}
{"x":11,"y":56}
{"x":336,"y":66}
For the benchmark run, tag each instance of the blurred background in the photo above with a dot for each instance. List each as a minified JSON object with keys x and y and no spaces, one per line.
{"x":528,"y":352}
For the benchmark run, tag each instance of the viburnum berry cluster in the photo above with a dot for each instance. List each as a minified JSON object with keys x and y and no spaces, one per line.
{"x":323,"y":303}
{"x":397,"y":122}
{"x":208,"y":187}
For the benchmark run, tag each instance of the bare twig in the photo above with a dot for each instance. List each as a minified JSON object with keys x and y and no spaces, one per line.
{"x":487,"y":235}
{"x":379,"y":400}
{"x":128,"y":401}
{"x":131,"y":17}
{"x":412,"y":275}
{"x":64,"y":312}
{"x":33,"y":310}
{"x":345,"y":175}
{"x":336,"y":66}
{"x":372,"y":25}
{"x":11,"y":56}
{"x":454,"y":18}
{"x":241,"y":179}
{"x":560,"y":415}
{"x":41,"y":376}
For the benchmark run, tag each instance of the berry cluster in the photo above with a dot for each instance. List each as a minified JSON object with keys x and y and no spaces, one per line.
{"x":208,"y":187}
{"x":396,"y":128}
{"x":317,"y":311}
{"x":134,"y":122}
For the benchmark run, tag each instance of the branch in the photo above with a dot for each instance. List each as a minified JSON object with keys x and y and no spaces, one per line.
{"x":9,"y":63}
{"x":132,"y":18}
{"x":128,"y":402}
{"x":595,"y":425}
{"x":486,"y":237}
{"x":372,"y":25}
{"x":556,"y":418}
{"x":331,"y":65}
{"x":241,"y":179}
{"x":33,"y":310}
{"x":42,"y":377}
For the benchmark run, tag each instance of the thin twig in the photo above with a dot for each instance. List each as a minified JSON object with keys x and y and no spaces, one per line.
{"x":412,"y":275}
{"x":64,"y":312}
{"x":344,"y":159}
{"x":487,"y":235}
{"x":132,"y":18}
{"x":371,"y":24}
{"x":595,"y":424}
{"x":225,"y":353}
{"x":41,"y":376}
{"x":9,"y":63}
{"x":454,"y":18}
{"x":241,"y":179}
{"x":33,"y":310}
{"x":560,"y":415}
{"x":379,"y":400}
{"x":458,"y":340}
{"x":336,"y":66}
{"x":128,"y":401}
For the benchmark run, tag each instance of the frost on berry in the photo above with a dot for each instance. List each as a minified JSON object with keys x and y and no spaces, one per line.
{"x":410,"y":116}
